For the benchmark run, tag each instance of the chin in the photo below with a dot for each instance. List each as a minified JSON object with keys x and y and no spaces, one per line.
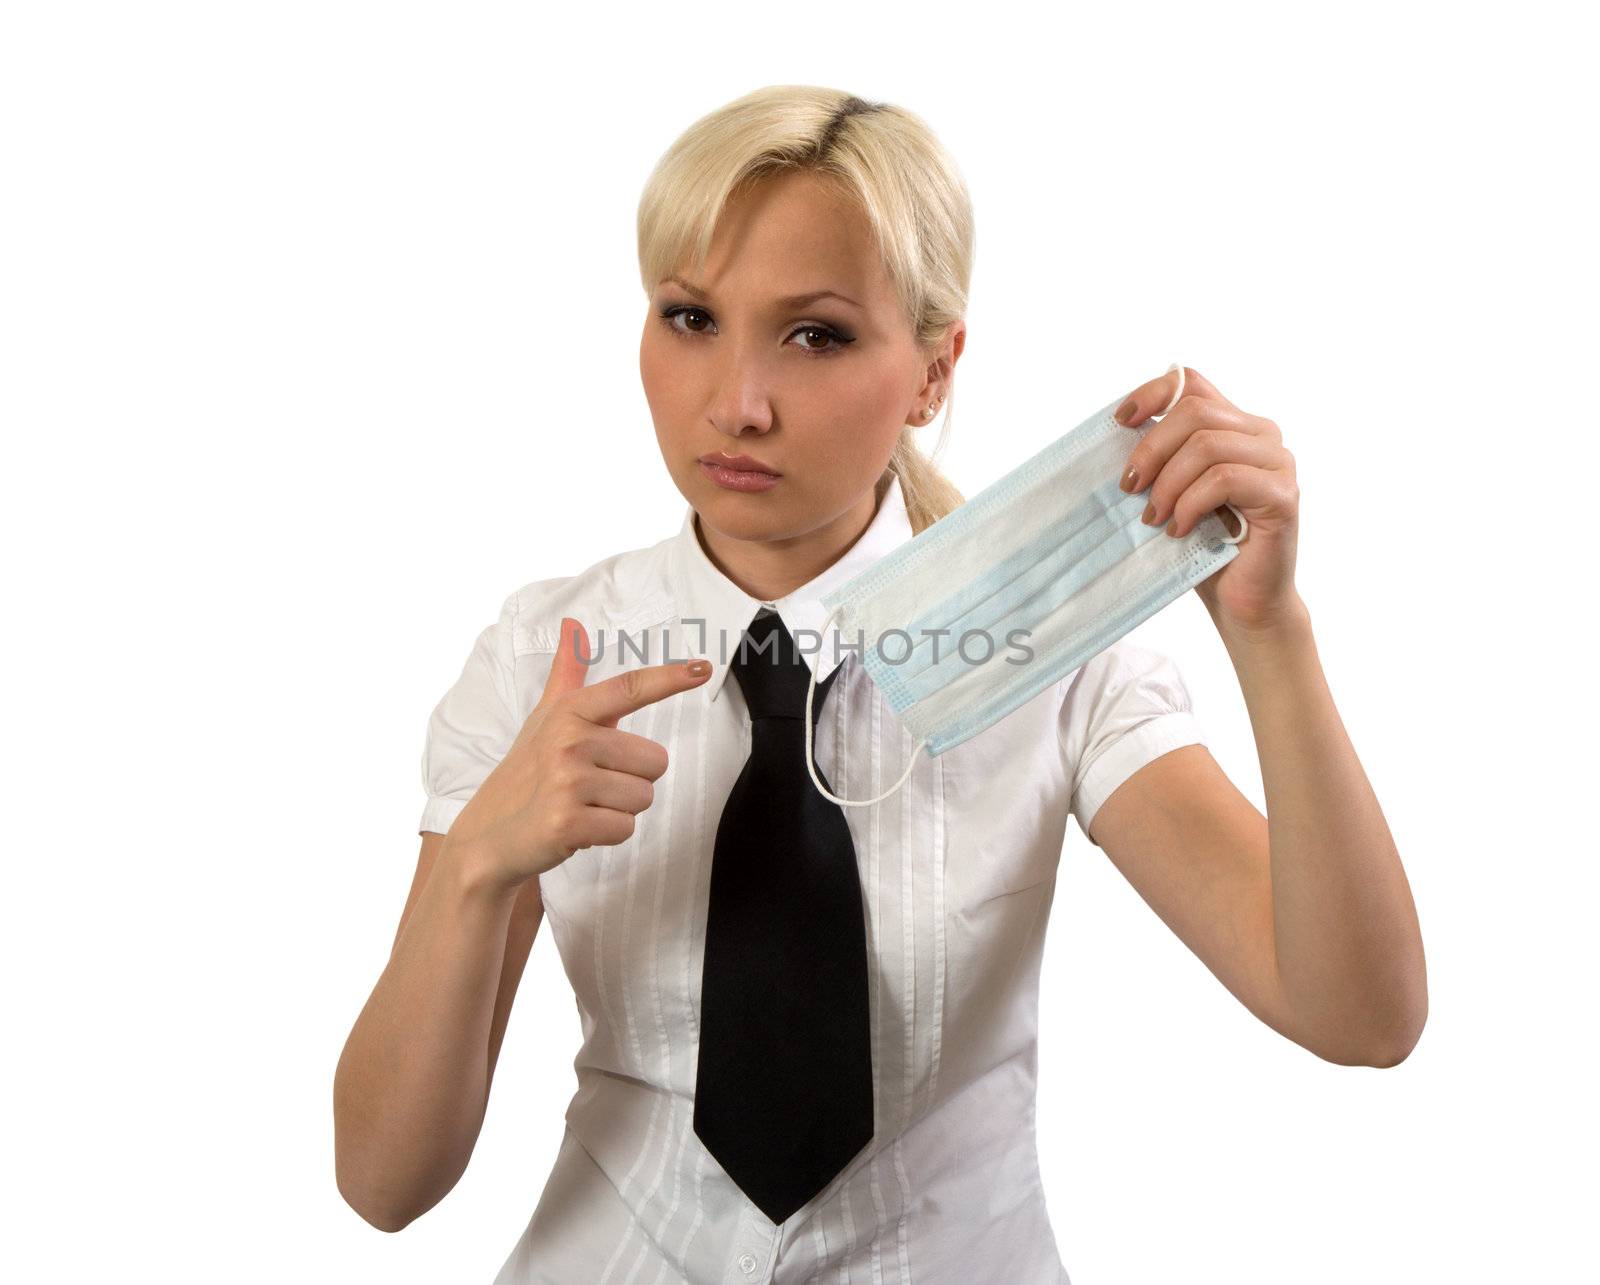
{"x":741,"y":516}
{"x":753,"y":516}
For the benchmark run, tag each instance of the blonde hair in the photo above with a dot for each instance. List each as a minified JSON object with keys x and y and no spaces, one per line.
{"x":897,"y":172}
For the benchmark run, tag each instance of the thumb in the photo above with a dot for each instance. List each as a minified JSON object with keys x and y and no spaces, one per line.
{"x":568,"y":671}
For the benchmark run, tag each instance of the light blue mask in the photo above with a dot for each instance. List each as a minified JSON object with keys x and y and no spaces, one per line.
{"x":1023,"y":583}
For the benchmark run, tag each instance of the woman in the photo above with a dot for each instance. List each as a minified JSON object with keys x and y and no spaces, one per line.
{"x":806,"y":255}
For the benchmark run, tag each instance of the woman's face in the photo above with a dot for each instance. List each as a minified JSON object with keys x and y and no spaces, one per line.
{"x":815,"y":391}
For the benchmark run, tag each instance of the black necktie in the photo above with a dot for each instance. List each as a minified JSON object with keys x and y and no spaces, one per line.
{"x":783,"y":1096}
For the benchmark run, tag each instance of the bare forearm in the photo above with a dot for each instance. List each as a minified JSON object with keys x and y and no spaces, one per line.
{"x":412,"y":1082}
{"x":1348,"y":945}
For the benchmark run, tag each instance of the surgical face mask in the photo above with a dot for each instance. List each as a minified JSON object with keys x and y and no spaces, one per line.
{"x":1022,"y":584}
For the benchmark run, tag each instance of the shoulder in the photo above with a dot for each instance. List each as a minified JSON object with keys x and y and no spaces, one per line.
{"x":1126,"y":693}
{"x":628,"y":590}
{"x":1122,"y":673}
{"x":1122,"y":708}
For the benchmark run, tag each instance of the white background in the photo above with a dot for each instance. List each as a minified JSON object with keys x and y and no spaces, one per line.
{"x":320,"y":335}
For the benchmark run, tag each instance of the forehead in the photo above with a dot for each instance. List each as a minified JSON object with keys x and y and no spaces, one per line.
{"x":790,"y":234}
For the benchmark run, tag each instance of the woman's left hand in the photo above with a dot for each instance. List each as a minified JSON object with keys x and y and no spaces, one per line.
{"x":1204,"y":452}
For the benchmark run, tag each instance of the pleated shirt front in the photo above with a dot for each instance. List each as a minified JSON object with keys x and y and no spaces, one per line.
{"x":957,"y":870}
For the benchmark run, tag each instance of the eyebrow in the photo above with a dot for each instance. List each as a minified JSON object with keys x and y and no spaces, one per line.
{"x":791,"y":301}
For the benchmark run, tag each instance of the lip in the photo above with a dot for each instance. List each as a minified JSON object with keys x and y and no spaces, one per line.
{"x":730,"y":478}
{"x":739,"y":464}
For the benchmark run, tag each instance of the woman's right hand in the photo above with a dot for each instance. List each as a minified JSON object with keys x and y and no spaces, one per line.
{"x":571,"y":779}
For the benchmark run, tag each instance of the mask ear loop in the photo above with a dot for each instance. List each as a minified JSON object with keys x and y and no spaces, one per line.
{"x":810,"y":765}
{"x":1176,"y":366}
{"x":1244,"y":526}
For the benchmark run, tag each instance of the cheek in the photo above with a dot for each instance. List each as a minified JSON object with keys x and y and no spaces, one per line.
{"x":656,"y":377}
{"x":867,"y":409}
{"x":868,"y":391}
{"x":669,"y":381}
{"x":669,"y":440}
{"x":654,"y":371}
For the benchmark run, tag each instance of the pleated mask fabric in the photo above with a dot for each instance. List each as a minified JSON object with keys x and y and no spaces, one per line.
{"x":1026,"y":581}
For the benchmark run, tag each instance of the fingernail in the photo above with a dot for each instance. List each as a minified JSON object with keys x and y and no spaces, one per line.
{"x":1149,"y":513}
{"x":698,"y":668}
{"x":1172,"y":527}
{"x":1130,"y":479}
{"x":1126,"y":411}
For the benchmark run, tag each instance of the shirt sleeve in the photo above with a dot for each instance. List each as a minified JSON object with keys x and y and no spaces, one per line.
{"x":472,"y":726}
{"x":1123,"y":708}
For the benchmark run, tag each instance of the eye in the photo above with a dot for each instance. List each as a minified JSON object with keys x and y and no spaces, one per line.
{"x":668,"y":314}
{"x":827,"y":332}
{"x":837,"y":339}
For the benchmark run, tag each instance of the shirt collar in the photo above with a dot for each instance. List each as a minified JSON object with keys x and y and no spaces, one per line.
{"x":704,"y":593}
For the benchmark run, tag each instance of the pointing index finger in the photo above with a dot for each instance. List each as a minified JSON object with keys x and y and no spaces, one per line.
{"x":612,"y":699}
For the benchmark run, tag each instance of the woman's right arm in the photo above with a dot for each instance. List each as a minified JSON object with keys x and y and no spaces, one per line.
{"x":413,"y":1081}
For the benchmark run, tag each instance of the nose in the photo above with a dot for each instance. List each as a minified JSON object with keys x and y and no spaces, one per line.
{"x":742,"y":431}
{"x":741,"y":405}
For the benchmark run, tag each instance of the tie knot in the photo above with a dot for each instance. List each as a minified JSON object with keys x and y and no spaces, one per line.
{"x":772,"y":674}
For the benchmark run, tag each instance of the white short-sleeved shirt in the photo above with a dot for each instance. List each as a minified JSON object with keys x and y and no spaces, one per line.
{"x":957,"y":871}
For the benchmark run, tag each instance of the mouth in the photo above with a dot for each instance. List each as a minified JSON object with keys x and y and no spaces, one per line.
{"x":739,"y":472}
{"x":739,"y":464}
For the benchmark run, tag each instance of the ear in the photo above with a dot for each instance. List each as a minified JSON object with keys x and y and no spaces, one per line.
{"x":942,"y":361}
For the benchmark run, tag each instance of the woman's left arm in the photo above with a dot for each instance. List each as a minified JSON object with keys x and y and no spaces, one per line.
{"x":1305,"y":914}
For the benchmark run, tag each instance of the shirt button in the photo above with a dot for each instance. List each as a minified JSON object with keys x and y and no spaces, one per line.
{"x":747,"y":1263}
